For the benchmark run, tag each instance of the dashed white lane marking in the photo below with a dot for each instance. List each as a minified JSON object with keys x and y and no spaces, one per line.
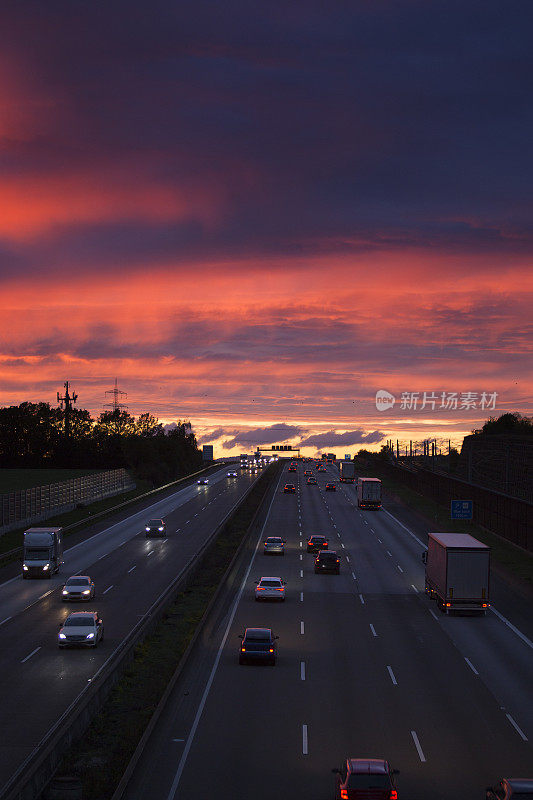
{"x":301,"y":573}
{"x":149,"y":554}
{"x":301,"y":597}
{"x":302,"y":670}
{"x":391,"y":673}
{"x":30,"y":655}
{"x":134,"y":567}
{"x":373,"y":630}
{"x":379,"y":540}
{"x":302,"y":627}
{"x":362,"y":599}
{"x":46,"y":594}
{"x":472,"y":667}
{"x":372,"y":529}
{"x":101,"y":557}
{"x":5,"y":620}
{"x":108,"y":589}
{"x":301,"y":557}
{"x":417,"y":745}
{"x":178,"y":740}
{"x":389,"y":553}
{"x":338,"y":534}
{"x":433,"y":614}
{"x":304,"y":740}
{"x":348,"y":559}
{"x":354,"y":576}
{"x":342,"y":545}
{"x":401,"y":570}
{"x":177,"y":531}
{"x":301,"y":544}
{"x":519,"y":731}
{"x":414,"y":587}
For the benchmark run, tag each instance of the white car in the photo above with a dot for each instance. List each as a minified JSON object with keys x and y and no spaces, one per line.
{"x":232,"y":474}
{"x":79,"y":587}
{"x":81,"y":629}
{"x":203,"y":481}
{"x":270,"y":589}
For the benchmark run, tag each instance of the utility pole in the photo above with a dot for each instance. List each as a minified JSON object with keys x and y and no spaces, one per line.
{"x":67,"y":400}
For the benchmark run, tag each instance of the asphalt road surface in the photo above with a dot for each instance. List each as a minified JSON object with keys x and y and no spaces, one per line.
{"x":38,"y":682}
{"x":367,"y":667}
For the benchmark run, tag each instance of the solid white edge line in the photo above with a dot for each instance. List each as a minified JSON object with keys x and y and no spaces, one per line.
{"x":418,"y":747}
{"x":391,"y":673}
{"x":517,"y":729}
{"x":172,"y":793}
{"x":302,"y":670}
{"x":472,"y":667}
{"x":512,"y":627}
{"x":30,"y":655}
{"x":433,"y":614}
{"x":405,"y":528}
{"x":305,"y":749}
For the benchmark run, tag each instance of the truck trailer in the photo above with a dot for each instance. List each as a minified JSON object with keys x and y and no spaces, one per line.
{"x":457,"y":572}
{"x":368,"y":493}
{"x":43,"y":552}
{"x":347,"y":471}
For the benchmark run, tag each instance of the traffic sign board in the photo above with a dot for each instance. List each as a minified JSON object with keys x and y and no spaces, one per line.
{"x":462,"y":509}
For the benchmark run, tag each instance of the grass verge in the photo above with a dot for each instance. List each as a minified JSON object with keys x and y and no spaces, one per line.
{"x":512,"y":559}
{"x":100,"y":758}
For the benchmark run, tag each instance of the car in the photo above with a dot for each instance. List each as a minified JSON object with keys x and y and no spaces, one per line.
{"x":321,"y":468}
{"x":155,"y":527}
{"x":307,"y":473}
{"x":81,"y":629}
{"x":78,"y":587}
{"x":258,"y":644}
{"x":316,"y":543}
{"x":365,"y":777}
{"x":508,"y":788}
{"x":269,"y":588}
{"x":331,"y":487}
{"x":311,"y":481}
{"x":202,"y":481}
{"x":327,"y":561}
{"x":289,"y":488}
{"x":292,"y":468}
{"x":231,"y":475}
{"x":274,"y":545}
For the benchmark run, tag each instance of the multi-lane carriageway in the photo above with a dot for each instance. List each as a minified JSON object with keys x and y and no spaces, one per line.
{"x":367,"y":667}
{"x":38,"y":682}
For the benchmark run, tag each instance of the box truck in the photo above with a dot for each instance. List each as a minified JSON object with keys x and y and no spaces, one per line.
{"x":457,"y":572}
{"x":347,"y":471}
{"x":43,"y":552}
{"x":369,"y":493}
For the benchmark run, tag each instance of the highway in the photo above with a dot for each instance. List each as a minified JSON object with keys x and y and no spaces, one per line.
{"x":38,"y":682}
{"x":367,"y":667}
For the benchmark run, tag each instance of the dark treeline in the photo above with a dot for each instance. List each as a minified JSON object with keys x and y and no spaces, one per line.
{"x":32,"y":435}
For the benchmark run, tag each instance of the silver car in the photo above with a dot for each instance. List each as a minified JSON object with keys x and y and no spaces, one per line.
{"x":269,"y":588}
{"x":81,"y":629}
{"x":79,"y":587}
{"x":274,"y":545}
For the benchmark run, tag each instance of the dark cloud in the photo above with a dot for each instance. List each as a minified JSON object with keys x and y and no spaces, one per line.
{"x":348,"y":438}
{"x":273,"y":434}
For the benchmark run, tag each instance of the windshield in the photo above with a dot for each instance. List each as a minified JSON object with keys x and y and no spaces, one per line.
{"x":78,"y":582}
{"x":366,"y":781}
{"x":80,"y":622}
{"x":270,"y":583}
{"x":34,"y":554}
{"x":155,"y":523}
{"x":274,"y":540}
{"x":258,"y":636}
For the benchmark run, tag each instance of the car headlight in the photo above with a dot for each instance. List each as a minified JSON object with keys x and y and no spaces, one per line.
{"x":86,"y":591}
{"x":46,"y":566}
{"x":161,"y":529}
{"x":65,"y":591}
{"x":147,"y":529}
{"x":24,"y":567}
{"x":90,"y":636}
{"x":62,"y":636}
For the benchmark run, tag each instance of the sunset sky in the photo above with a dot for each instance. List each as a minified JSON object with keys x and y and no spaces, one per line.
{"x":257,"y":215}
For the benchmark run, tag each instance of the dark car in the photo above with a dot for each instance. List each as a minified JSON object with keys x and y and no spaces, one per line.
{"x":327,"y":561}
{"x":258,"y":645}
{"x":155,"y":527}
{"x":316,"y":543}
{"x":515,"y":788}
{"x":311,"y":481}
{"x":364,"y":778}
{"x":331,"y":487}
{"x":289,"y":488}
{"x":307,"y":472}
{"x":292,"y":468}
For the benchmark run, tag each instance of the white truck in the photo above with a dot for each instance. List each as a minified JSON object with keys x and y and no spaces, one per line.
{"x":457,"y":572}
{"x":347,"y":471}
{"x":368,"y":493}
{"x":43,"y":552}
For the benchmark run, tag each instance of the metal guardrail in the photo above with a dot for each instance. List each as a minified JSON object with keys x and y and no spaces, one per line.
{"x":35,"y":772}
{"x":16,"y":550}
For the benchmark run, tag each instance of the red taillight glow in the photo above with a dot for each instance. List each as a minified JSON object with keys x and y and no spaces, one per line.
{"x":485,"y":605}
{"x":448,"y":605}
{"x":260,"y":588}
{"x":271,"y":649}
{"x":393,"y":795}
{"x":344,"y":794}
{"x":243,"y":649}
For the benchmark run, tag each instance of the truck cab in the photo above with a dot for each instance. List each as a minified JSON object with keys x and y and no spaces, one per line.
{"x":42,"y":552}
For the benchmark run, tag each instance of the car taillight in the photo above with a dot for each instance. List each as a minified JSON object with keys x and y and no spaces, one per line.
{"x":485,"y":605}
{"x":260,"y":588}
{"x":271,"y":649}
{"x":448,"y":605}
{"x":243,"y":649}
{"x":393,"y":795}
{"x":344,"y":794}
{"x":279,"y":588}
{"x":338,"y":561}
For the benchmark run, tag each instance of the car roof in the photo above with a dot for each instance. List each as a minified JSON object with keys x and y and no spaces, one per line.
{"x":86,"y":577}
{"x":258,"y":632}
{"x":372,"y":766}
{"x":270,"y":578}
{"x":318,"y":536}
{"x":520,"y":784}
{"x":327,"y":553}
{"x":156,"y":521}
{"x":79,"y":614}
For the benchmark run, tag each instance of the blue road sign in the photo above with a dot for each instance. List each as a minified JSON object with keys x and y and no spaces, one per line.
{"x":462,"y":509}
